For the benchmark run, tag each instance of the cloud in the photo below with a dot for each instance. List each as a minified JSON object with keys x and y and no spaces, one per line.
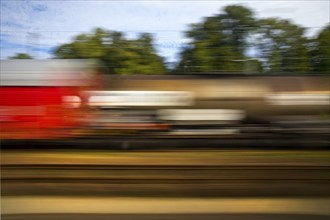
{"x":279,"y":10}
{"x":10,"y":48}
{"x":313,"y":15}
{"x":39,"y":8}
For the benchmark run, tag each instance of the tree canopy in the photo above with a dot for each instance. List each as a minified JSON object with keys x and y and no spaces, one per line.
{"x":221,"y":43}
{"x":233,"y":40}
{"x":120,"y":55}
{"x":218,"y":42}
{"x":320,"y":51}
{"x":282,"y":46}
{"x":21,"y":56}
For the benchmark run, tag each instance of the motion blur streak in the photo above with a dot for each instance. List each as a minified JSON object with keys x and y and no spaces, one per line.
{"x":63,"y":99}
{"x":78,"y":141}
{"x":40,"y":99}
{"x":34,"y":205}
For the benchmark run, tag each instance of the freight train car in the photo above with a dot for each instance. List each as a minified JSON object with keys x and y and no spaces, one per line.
{"x":40,"y":99}
{"x":213,"y":104}
{"x":62,"y":98}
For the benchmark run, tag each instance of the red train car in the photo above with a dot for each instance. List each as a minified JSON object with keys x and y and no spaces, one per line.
{"x":41,"y":99}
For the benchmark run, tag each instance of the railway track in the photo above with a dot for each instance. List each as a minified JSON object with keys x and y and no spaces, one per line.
{"x":216,"y":172}
{"x":174,"y":142}
{"x":165,"y":180}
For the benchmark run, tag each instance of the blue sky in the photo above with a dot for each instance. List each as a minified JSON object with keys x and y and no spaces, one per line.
{"x":38,"y":26}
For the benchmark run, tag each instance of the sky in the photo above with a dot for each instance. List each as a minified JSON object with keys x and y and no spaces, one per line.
{"x":37,"y":27}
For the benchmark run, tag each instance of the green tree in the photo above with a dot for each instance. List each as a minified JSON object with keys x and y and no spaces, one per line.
{"x":282,"y":46}
{"x":218,"y":41}
{"x":320,"y":51}
{"x":21,"y":56}
{"x":120,"y":55}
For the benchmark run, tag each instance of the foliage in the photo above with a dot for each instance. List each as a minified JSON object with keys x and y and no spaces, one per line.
{"x":120,"y":55}
{"x":320,"y":51}
{"x":218,"y":43}
{"x":21,"y":56}
{"x":282,"y":45}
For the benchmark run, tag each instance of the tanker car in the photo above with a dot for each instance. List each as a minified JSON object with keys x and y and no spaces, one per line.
{"x":213,"y":104}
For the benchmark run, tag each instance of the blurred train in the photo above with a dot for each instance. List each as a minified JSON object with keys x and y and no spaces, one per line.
{"x":213,"y":104}
{"x":72,"y":98}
